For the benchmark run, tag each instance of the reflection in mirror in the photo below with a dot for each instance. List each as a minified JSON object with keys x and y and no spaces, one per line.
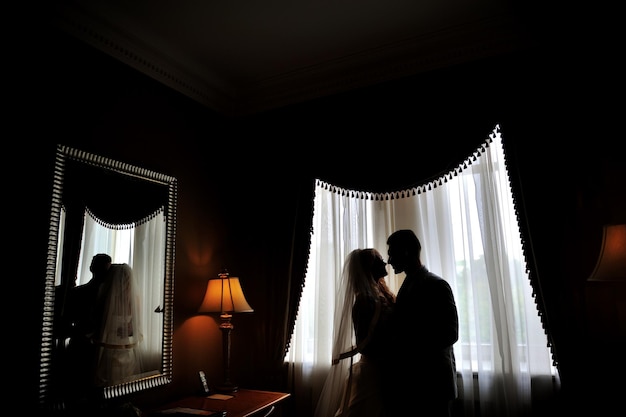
{"x":107,"y":334}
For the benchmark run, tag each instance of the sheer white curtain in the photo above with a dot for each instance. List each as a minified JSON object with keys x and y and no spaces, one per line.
{"x":142,"y":246}
{"x":340,"y":224}
{"x":468,"y":227}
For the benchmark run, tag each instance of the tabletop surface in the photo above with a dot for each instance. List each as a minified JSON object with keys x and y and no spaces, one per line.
{"x":241,"y":403}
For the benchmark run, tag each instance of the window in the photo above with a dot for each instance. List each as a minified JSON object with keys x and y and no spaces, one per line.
{"x":138,"y":245}
{"x":468,"y":226}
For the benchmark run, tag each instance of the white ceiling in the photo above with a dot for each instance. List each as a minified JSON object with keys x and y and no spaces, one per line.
{"x":243,"y":56}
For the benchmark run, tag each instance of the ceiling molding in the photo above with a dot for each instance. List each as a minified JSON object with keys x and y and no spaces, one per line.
{"x":134,"y":53}
{"x":445,"y":47}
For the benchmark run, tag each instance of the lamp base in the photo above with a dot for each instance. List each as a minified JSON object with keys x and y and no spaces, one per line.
{"x":226,"y":387}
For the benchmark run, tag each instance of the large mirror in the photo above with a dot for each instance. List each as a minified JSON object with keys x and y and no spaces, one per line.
{"x":109,"y":334}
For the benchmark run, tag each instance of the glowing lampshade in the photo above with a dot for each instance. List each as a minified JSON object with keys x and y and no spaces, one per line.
{"x":611,"y":265}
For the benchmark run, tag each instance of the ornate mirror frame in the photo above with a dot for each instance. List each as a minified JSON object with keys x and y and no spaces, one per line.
{"x":65,"y":155}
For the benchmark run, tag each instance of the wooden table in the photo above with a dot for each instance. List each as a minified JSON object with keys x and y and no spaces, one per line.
{"x":243,"y":403}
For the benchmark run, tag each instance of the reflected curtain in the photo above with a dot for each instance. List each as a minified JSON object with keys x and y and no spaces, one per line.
{"x":467,"y":222}
{"x":111,"y":197}
{"x":142,"y":246}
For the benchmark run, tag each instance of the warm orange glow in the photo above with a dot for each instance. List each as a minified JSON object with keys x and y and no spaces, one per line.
{"x":224,"y":295}
{"x":611,"y":264}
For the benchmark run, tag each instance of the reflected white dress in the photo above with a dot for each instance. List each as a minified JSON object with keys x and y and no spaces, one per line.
{"x":118,"y":339}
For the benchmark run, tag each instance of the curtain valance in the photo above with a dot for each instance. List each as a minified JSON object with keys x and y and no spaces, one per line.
{"x":425,"y":185}
{"x":111,"y":197}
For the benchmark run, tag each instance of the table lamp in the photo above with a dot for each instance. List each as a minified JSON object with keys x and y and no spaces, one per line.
{"x":224,"y":295}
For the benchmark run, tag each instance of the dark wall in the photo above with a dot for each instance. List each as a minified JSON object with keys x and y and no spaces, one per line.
{"x":569,"y":171}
